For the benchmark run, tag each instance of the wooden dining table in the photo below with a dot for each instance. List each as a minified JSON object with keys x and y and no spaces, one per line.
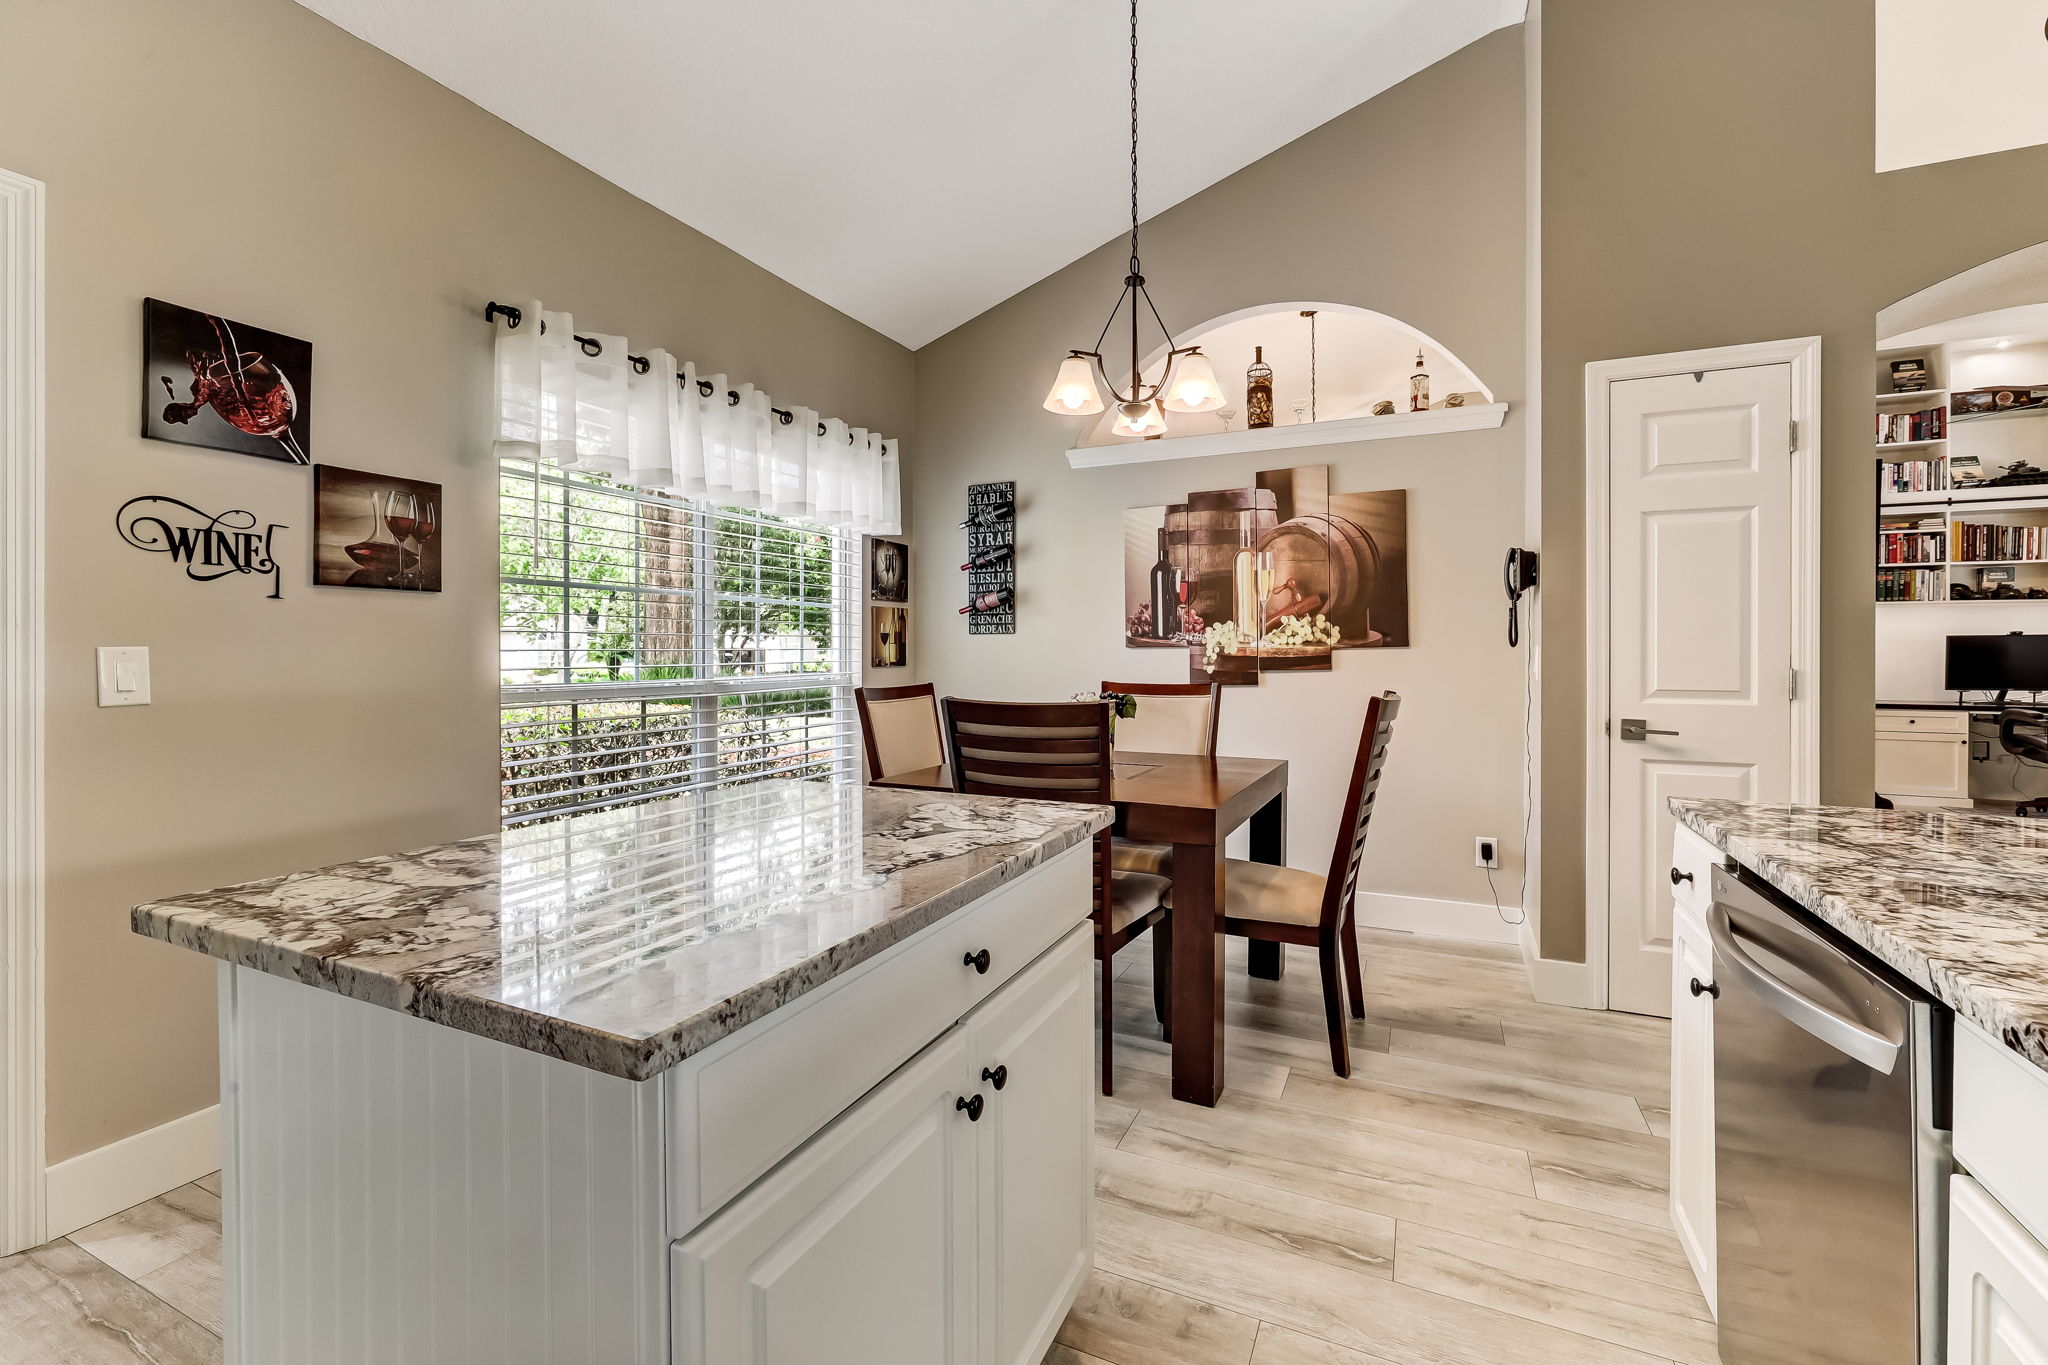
{"x":1193,"y":803}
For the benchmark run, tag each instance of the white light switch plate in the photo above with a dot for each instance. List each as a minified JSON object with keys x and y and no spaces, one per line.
{"x":124,"y":675}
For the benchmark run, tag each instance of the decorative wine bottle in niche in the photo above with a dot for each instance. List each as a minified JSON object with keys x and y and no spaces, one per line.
{"x":1165,"y":587}
{"x":1258,"y":391}
{"x":1418,"y":387}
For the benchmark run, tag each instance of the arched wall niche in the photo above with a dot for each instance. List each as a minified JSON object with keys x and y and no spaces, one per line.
{"x":1360,"y":357}
{"x":2017,"y":280}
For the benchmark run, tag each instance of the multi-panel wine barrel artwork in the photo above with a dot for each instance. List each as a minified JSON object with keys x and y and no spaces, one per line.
{"x":1271,"y":578}
{"x":991,"y":565}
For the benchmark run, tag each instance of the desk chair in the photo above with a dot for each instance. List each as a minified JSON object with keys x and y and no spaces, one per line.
{"x":1059,"y":751}
{"x":1274,"y":904}
{"x":2023,"y":733}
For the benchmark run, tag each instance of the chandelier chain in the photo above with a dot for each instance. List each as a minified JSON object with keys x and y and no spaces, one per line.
{"x":1134,"y":137}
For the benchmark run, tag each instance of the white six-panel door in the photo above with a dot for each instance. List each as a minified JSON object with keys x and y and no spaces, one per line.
{"x":1700,"y":628}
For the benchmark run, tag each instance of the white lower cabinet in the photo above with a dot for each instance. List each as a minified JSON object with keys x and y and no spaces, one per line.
{"x":1997,"y":1283}
{"x":1692,"y":1094}
{"x":943,"y":1220}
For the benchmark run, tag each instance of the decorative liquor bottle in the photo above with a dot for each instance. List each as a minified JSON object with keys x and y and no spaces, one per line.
{"x":1258,"y":391}
{"x":1165,"y":594}
{"x":1418,"y":387}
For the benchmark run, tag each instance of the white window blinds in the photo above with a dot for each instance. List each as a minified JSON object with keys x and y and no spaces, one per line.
{"x":652,"y":645}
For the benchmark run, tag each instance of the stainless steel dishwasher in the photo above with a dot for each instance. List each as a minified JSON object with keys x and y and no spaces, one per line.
{"x":1831,"y":1142}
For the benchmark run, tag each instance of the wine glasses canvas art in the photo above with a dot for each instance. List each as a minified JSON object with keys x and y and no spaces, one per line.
{"x":375,"y":531}
{"x":208,"y":381}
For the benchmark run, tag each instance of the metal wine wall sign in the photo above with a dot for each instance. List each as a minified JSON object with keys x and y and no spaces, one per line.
{"x":209,"y":546}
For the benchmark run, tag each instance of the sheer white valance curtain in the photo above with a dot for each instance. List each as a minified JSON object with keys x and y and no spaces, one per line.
{"x":588,"y":405}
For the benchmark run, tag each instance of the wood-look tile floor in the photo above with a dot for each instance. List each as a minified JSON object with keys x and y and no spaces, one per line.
{"x":1489,"y":1186}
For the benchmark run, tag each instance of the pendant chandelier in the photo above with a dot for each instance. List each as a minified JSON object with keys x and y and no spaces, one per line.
{"x":1186,"y":384}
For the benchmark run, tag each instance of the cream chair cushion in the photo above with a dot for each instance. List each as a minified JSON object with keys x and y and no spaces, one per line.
{"x":1128,"y":856}
{"x":1166,"y":725}
{"x":1134,"y":895}
{"x":1277,"y":895}
{"x":906,"y":734}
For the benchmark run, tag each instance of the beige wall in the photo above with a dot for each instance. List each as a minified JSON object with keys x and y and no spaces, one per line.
{"x":1410,"y":204}
{"x":245,"y":157}
{"x":1707,"y":180}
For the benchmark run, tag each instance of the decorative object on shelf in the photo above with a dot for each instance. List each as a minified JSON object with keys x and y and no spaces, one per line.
{"x":1383,"y":408}
{"x":1910,"y":375}
{"x":229,"y":386}
{"x":1983,"y":402}
{"x":1418,"y":387}
{"x":210,"y":546}
{"x":889,"y":638}
{"x":375,"y":531}
{"x":1456,"y":400}
{"x":888,"y":571}
{"x":991,"y":565}
{"x":1226,"y":416}
{"x":1258,"y":391}
{"x":1310,"y":314}
{"x":1186,"y":383}
{"x":1311,"y":572}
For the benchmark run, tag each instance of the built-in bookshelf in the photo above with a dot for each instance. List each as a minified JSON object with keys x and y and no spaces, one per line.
{"x":1954,"y":525}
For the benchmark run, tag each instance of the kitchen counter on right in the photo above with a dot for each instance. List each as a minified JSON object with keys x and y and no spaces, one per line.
{"x":1955,"y":901}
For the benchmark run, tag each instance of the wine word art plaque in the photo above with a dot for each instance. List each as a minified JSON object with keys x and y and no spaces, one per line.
{"x":209,"y":546}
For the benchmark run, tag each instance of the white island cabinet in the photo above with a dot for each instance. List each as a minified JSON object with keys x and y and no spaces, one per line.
{"x":804,"y":1077}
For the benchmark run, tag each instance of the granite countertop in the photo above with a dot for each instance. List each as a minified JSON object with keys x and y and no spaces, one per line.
{"x":626,"y":940}
{"x":1955,"y":901}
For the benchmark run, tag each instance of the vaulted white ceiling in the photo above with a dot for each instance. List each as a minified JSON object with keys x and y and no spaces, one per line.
{"x":914,"y":162}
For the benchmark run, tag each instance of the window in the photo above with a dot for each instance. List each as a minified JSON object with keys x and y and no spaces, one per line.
{"x":651,"y":645}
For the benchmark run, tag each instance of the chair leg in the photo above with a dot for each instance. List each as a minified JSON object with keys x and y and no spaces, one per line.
{"x":1108,"y":1022}
{"x":1162,"y":976}
{"x":1354,"y":977}
{"x":1327,"y":954}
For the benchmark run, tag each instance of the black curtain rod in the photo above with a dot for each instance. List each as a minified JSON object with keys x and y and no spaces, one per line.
{"x":592,"y":346}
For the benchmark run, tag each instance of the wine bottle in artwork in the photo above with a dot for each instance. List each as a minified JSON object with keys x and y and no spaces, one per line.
{"x":1258,"y":391}
{"x":988,"y":601}
{"x":1165,"y":594}
{"x":987,"y":559}
{"x":1418,"y":387}
{"x":990,"y":517}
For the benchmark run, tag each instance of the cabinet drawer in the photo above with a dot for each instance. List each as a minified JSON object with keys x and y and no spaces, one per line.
{"x":740,"y":1106}
{"x":1694,"y":855}
{"x":2001,"y":1111}
{"x":1923,"y":722}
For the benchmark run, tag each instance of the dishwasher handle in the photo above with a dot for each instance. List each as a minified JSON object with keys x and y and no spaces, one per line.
{"x":1846,"y":1036}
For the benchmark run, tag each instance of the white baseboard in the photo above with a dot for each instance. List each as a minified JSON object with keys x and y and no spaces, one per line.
{"x":1471,"y":920}
{"x":1555,"y":981}
{"x":79,"y":1192}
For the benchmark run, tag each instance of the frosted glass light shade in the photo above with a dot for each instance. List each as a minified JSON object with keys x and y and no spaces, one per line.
{"x":1073,"y":392}
{"x":1193,"y":387}
{"x":1149,"y":421}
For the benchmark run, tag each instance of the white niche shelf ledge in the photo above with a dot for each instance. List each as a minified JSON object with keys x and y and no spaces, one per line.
{"x":1473,"y":417}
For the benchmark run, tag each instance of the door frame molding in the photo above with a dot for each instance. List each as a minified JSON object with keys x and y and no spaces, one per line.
{"x":1803,"y":355}
{"x":21,"y":711}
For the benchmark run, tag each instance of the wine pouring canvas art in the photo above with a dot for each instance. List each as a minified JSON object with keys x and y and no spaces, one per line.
{"x":375,"y":531}
{"x":223,"y":385}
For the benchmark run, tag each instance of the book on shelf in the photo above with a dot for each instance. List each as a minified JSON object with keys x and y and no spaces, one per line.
{"x":1927,"y":424}
{"x":1992,"y":542}
{"x":1912,"y":585}
{"x":1913,"y":476}
{"x":1909,"y":540}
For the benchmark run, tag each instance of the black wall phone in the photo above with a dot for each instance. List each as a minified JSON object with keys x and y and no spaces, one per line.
{"x":1519,"y":574}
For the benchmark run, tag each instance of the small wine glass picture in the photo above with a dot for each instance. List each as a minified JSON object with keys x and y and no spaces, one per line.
{"x":225,"y":385}
{"x":375,"y":531}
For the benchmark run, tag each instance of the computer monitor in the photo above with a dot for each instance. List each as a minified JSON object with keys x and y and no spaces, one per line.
{"x":1997,"y":663}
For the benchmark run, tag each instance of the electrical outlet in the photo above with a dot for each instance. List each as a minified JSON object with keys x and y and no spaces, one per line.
{"x":1486,"y":851}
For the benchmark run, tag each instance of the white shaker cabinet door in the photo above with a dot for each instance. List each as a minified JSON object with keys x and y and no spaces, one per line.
{"x":859,"y":1250}
{"x":1997,"y":1283}
{"x":1692,"y":1093}
{"x":1029,"y":1047}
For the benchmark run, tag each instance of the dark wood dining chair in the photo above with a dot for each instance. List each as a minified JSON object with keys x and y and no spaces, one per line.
{"x":1173,"y":718}
{"x":899,"y":728}
{"x":1275,"y":904}
{"x":1059,"y":751}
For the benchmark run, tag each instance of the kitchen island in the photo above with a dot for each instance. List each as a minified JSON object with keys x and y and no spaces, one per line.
{"x":1952,"y":906}
{"x":791,"y":1071}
